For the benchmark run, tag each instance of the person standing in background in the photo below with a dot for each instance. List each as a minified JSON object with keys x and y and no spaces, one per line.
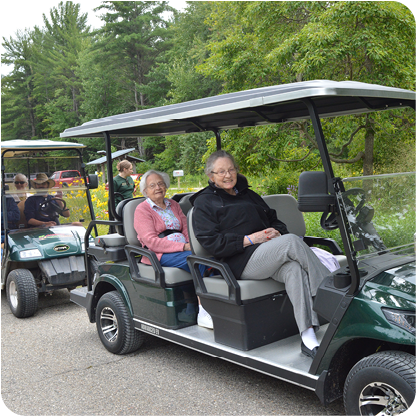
{"x":123,"y":182}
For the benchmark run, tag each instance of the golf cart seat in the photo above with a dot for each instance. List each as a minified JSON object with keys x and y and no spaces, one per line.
{"x":111,"y":247}
{"x":22,"y":223}
{"x":153,"y":274}
{"x":246,"y":313}
{"x":287,"y":210}
{"x":185,"y":203}
{"x":125,"y":243}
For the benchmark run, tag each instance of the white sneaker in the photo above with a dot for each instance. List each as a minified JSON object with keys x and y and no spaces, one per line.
{"x":204,"y":319}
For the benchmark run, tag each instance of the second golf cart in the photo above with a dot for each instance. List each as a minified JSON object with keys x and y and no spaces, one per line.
{"x":49,"y":256}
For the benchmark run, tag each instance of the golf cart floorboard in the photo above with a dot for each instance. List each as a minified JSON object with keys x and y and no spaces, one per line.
{"x":282,"y":359}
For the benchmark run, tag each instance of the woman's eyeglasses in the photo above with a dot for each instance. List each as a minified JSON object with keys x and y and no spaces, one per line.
{"x":222,"y":173}
{"x":19,"y":182}
{"x":160,"y":184}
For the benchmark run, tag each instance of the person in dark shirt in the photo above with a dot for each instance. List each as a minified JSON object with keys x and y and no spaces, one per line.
{"x":13,"y":213}
{"x":46,"y":218}
{"x":13,"y":216}
{"x":234,"y":224}
{"x":123,"y":182}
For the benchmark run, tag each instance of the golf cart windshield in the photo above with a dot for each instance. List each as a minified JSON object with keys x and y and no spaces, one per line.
{"x":53,"y":163}
{"x":381,"y":211}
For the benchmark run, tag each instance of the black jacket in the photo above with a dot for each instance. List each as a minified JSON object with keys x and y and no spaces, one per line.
{"x":221,"y":221}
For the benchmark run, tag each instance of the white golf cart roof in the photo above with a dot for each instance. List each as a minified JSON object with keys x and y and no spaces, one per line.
{"x":21,"y":146}
{"x":267,"y":105}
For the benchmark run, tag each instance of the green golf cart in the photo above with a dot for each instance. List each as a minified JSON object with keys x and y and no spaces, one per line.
{"x":367,"y":306}
{"x":43,"y":258}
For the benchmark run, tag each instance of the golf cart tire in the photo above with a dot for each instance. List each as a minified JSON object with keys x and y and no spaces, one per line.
{"x":384,"y":382}
{"x":115,"y":327}
{"x":22,"y":293}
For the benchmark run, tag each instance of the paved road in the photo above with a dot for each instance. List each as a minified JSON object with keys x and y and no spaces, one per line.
{"x":54,"y":364}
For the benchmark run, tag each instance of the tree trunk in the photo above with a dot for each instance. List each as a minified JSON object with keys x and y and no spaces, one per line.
{"x":368,"y":159}
{"x":140,"y":147}
{"x":136,"y":98}
{"x":32,"y":118}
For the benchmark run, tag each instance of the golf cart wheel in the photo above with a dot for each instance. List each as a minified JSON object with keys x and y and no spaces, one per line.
{"x":22,"y":293}
{"x":381,"y":384}
{"x":115,"y":327}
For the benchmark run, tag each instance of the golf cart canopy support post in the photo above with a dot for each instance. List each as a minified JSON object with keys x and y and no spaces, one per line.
{"x":112,"y":207}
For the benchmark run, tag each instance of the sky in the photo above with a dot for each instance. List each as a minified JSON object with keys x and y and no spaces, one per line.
{"x":20,"y":14}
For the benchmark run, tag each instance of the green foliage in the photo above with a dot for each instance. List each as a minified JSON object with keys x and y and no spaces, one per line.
{"x":190,"y":34}
{"x":368,"y":41}
{"x":147,"y":54}
{"x":361,"y":41}
{"x":63,"y":41}
{"x":183,"y":152}
{"x":18,"y":118}
{"x":278,"y":182}
{"x":133,"y":36}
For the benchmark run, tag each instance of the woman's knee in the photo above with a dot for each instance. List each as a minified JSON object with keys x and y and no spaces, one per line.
{"x":290,"y":271}
{"x":294,"y":239}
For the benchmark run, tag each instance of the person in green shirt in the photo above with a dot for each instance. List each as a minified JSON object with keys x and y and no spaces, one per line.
{"x":123,"y":182}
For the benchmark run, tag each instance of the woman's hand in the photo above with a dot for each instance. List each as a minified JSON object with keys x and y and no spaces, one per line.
{"x":187,"y":247}
{"x":261,"y":236}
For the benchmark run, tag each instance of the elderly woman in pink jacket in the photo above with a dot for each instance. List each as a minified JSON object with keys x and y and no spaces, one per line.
{"x":162,"y":227}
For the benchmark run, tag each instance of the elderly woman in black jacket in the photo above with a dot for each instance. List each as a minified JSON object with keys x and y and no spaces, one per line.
{"x":235,"y":225}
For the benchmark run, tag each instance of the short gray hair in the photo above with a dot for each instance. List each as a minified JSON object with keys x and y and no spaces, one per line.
{"x":20,"y":177}
{"x":214,"y":157}
{"x":142,"y":184}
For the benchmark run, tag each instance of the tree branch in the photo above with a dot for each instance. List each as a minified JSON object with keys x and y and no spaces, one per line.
{"x":333,"y":156}
{"x":345,"y":145}
{"x":359,"y":156}
{"x":292,"y":160}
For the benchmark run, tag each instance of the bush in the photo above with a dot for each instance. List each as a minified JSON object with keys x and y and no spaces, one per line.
{"x":283,"y":182}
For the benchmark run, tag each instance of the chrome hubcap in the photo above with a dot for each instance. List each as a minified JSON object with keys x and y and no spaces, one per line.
{"x":380,"y":399}
{"x":13,"y":294}
{"x":108,"y":323}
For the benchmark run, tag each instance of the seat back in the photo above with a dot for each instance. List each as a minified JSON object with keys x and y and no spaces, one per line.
{"x":128,"y":214}
{"x":185,"y":204}
{"x":196,"y":247}
{"x":22,"y":223}
{"x":148,"y":273}
{"x":286,"y":207}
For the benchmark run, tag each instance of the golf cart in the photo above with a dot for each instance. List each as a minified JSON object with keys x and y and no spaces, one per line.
{"x":367,"y":339}
{"x":44,"y":258}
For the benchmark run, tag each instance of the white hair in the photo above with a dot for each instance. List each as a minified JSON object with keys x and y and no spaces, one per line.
{"x":20,"y":177}
{"x":142,"y":184}
{"x":214,"y":157}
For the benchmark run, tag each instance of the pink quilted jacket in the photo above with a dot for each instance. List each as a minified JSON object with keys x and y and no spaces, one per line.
{"x":148,"y":225}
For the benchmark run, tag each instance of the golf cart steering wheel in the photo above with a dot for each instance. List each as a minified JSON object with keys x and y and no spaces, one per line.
{"x":49,"y":208}
{"x":354,"y":192}
{"x":328,"y":220}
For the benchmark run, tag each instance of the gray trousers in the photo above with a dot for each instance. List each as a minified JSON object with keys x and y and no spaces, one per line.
{"x":289,"y":260}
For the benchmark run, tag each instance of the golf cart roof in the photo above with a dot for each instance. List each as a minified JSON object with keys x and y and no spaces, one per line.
{"x":20,"y":146}
{"x":275,"y":104}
